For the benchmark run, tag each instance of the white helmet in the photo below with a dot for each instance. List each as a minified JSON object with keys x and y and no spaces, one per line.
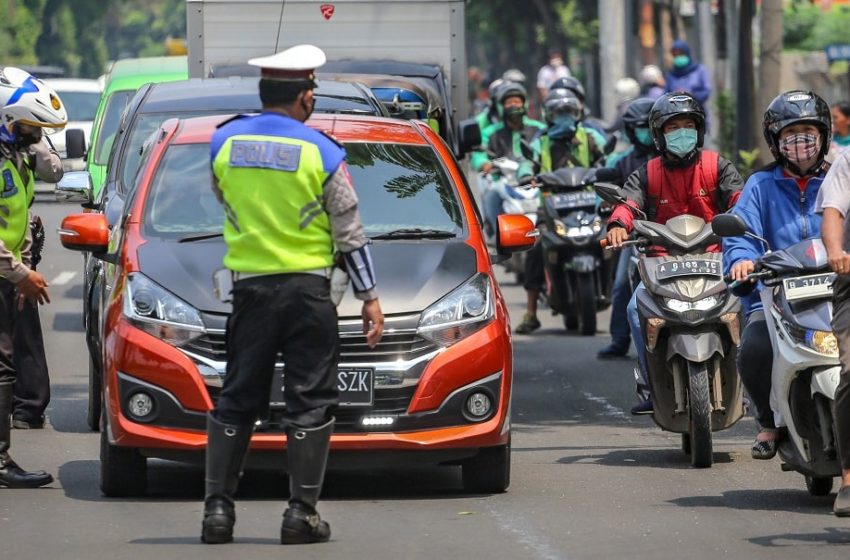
{"x":651,"y":74}
{"x":627,"y":88}
{"x":27,"y":100}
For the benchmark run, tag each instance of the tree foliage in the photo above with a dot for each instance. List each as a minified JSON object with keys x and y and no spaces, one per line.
{"x":808,"y":28}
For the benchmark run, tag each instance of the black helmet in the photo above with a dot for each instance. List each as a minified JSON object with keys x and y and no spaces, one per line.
{"x":670,"y":106}
{"x":793,"y":107}
{"x":637,"y":116}
{"x":571,"y":84}
{"x":511,"y":89}
{"x":560,"y":101}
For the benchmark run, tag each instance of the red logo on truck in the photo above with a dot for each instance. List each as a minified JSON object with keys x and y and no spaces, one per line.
{"x":327,"y":10}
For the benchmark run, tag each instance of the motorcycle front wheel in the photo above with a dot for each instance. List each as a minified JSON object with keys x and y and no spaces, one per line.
{"x":699,"y":408}
{"x":586,"y":304}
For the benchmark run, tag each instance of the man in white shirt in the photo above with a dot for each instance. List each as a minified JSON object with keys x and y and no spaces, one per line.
{"x":550,"y":72}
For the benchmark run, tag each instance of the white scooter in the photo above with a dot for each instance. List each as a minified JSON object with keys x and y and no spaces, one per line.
{"x":797,"y":298}
{"x":515,"y":199}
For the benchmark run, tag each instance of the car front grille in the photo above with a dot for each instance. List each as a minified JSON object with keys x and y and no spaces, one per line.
{"x":394,"y":346}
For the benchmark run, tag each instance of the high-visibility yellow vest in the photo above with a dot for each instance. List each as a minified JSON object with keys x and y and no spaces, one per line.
{"x":16,"y":195}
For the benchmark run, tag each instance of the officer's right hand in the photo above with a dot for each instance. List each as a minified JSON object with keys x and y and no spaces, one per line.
{"x":33,"y":288}
{"x":373,"y":322}
{"x":616,"y":236}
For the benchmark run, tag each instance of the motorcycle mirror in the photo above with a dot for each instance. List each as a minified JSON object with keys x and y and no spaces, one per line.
{"x":610,"y":145}
{"x":728,"y":225}
{"x":470,"y":136}
{"x":601,"y":175}
{"x":609,"y":193}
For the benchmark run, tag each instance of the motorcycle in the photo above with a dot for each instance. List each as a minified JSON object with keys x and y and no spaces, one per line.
{"x":579,"y":274}
{"x":797,"y":298}
{"x":691,"y":328}
{"x":515,"y":199}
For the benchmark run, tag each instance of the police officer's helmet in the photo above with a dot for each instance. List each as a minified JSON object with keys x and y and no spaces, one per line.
{"x":24,"y":99}
{"x":670,"y":106}
{"x":571,"y":84}
{"x":511,"y":89}
{"x":562,"y":101}
{"x":637,"y":116}
{"x":797,"y":107}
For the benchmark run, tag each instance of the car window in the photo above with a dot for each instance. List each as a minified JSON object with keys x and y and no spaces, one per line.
{"x":399,"y":186}
{"x":109,"y":125}
{"x":80,"y":105}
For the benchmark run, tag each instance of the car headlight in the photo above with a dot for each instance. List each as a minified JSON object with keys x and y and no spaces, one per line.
{"x":155,"y":310}
{"x":464,"y":311}
{"x":680,"y":306}
{"x":822,"y":342}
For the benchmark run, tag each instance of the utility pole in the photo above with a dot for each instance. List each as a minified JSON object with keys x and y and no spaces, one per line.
{"x":612,"y":53}
{"x":745,"y":87}
{"x":770,"y":67}
{"x":708,"y":56}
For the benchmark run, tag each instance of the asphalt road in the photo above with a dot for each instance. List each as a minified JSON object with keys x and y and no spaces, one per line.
{"x":589,"y":481}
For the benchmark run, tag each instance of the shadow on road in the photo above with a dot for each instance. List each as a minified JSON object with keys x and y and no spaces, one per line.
{"x":68,"y":322}
{"x":75,"y":292}
{"x":779,"y":499}
{"x":642,"y":457}
{"x":173,"y":482}
{"x":67,"y":410}
{"x":829,"y":536}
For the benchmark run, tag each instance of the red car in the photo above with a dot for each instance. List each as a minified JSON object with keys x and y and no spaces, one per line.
{"x":436,"y":389}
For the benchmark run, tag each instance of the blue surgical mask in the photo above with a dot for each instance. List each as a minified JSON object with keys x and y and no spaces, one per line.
{"x":564,"y":127}
{"x":681,"y":141}
{"x":644,"y":136}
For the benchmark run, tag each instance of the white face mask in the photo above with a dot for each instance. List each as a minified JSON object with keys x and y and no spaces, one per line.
{"x":800,"y":147}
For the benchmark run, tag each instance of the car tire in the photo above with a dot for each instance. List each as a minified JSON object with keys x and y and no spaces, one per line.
{"x":123,"y":470}
{"x":489,"y":472}
{"x":95,"y":396}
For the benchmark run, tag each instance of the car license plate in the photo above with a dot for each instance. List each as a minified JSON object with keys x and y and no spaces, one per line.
{"x":807,"y":287}
{"x":566,"y":201}
{"x":690,"y":267}
{"x":356,"y":387}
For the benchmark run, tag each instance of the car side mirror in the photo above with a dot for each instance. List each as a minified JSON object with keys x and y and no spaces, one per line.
{"x":75,"y":143}
{"x":469,"y":136}
{"x":728,"y":225}
{"x":75,"y":186}
{"x":85,"y":232}
{"x":515,"y":233}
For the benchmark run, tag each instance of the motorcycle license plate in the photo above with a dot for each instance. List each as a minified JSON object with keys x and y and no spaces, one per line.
{"x":565,"y":201}
{"x":690,"y":267}
{"x":806,"y":287}
{"x":356,"y":387}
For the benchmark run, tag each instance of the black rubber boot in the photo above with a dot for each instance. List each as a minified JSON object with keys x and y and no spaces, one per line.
{"x":227,"y":449}
{"x":11,"y":475}
{"x":307,"y":451}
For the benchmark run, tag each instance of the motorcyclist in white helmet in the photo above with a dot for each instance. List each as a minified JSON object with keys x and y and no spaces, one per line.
{"x":27,"y":108}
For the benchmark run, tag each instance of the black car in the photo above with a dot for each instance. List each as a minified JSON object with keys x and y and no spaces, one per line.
{"x":154,"y":104}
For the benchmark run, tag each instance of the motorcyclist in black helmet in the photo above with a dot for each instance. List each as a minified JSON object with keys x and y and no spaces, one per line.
{"x":684,"y":179}
{"x":778,"y":203}
{"x":572,"y":84}
{"x":641,"y":149}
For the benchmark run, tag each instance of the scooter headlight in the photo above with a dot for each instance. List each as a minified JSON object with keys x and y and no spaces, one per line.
{"x":703,"y":304}
{"x":822,"y":342}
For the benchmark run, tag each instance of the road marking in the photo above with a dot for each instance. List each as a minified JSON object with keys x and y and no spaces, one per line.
{"x":608,"y":408}
{"x":63,"y":278}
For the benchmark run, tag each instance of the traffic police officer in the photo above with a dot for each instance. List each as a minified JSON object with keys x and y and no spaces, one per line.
{"x":288,"y":202}
{"x":27,"y":106}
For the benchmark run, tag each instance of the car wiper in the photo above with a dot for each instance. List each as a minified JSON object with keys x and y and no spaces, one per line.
{"x":201,"y":237}
{"x":414,"y":233}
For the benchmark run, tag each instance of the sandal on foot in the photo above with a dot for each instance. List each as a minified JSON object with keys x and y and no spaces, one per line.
{"x":764,"y":450}
{"x":529,"y":323}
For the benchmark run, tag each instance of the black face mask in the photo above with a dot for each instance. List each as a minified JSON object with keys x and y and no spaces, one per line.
{"x":26,"y":140}
{"x":514,"y":112}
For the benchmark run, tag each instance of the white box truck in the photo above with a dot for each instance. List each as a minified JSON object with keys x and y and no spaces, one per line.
{"x":427,"y":32}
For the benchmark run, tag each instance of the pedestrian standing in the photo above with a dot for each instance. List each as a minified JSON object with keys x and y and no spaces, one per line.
{"x":840,"y":127}
{"x":834,"y":202}
{"x":689,"y":76}
{"x":26,"y":106}
{"x":289,"y":201}
{"x":551,"y":71}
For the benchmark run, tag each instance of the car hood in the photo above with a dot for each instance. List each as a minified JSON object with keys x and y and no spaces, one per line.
{"x":411,"y":274}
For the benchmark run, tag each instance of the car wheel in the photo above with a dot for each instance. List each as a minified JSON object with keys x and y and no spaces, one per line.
{"x":123,"y":470}
{"x":95,"y":397}
{"x":489,"y":472}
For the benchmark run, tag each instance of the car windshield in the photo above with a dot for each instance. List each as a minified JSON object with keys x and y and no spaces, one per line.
{"x":109,"y":124}
{"x":400,"y":187}
{"x":81,"y":105}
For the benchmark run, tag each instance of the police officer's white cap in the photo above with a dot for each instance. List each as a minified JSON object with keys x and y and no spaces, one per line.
{"x":295,"y":63}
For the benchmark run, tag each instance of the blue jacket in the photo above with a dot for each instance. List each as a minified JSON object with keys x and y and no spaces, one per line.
{"x":774,"y":208}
